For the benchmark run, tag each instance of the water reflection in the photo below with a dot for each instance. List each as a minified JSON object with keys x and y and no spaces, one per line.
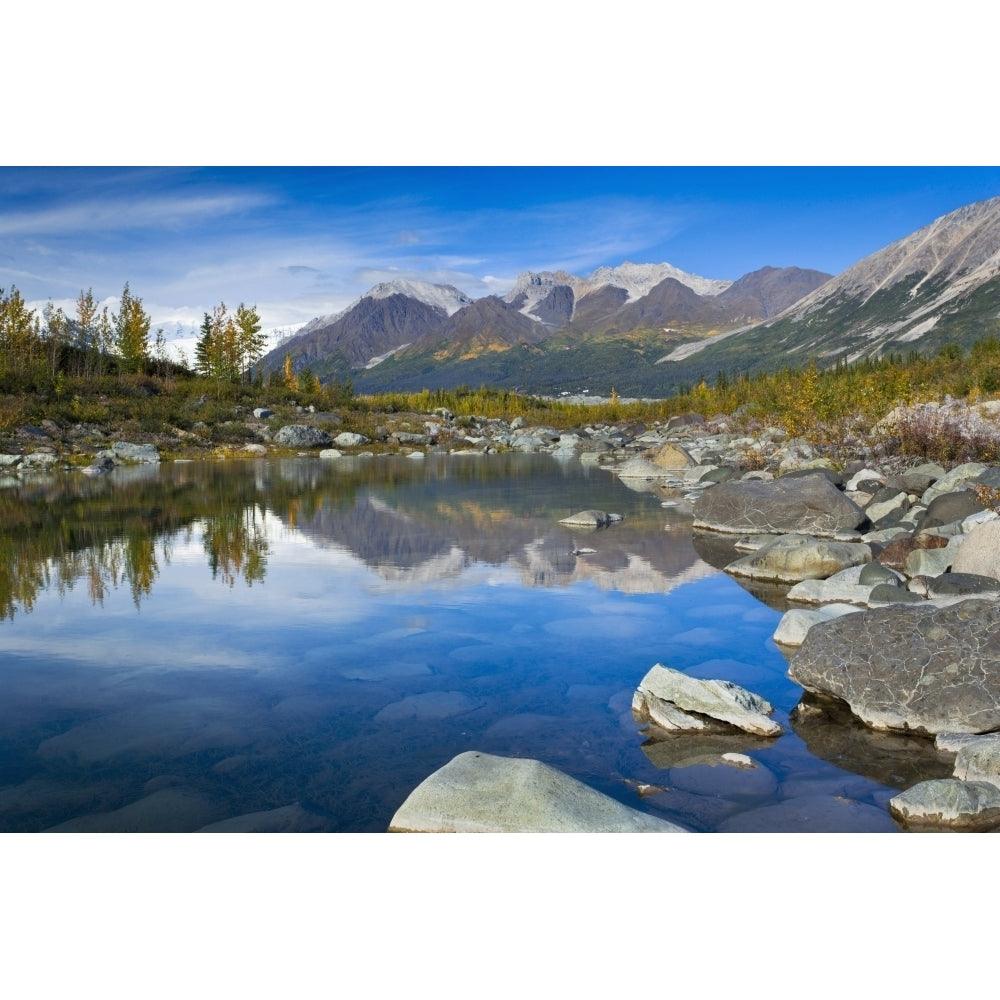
{"x":295,"y":644}
{"x":406,"y":523}
{"x":832,"y":733}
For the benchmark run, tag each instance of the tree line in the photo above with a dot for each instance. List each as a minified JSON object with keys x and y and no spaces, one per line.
{"x":95,"y":341}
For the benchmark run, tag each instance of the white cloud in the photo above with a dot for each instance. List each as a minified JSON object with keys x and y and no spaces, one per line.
{"x":112,"y":215}
{"x":496,"y":285}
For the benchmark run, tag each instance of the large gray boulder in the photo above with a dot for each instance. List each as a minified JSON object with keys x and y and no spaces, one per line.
{"x":350,"y":439}
{"x":948,"y":802}
{"x":980,"y":552}
{"x":480,"y":793}
{"x":809,"y":505}
{"x":302,"y":436}
{"x":673,"y":700}
{"x":642,"y":468}
{"x":979,"y":760}
{"x":671,"y":457}
{"x":961,"y":477}
{"x":949,"y":507}
{"x":909,"y":667}
{"x":844,"y":587}
{"x":800,"y":557}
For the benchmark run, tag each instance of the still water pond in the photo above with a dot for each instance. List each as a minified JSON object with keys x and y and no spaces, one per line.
{"x":195,"y":645}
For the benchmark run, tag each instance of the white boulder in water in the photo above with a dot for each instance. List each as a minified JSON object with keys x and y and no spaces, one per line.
{"x":673,"y":700}
{"x":480,"y":793}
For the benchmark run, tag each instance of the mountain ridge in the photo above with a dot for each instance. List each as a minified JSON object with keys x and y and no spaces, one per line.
{"x":938,"y":284}
{"x":647,"y":329}
{"x":405,"y":320}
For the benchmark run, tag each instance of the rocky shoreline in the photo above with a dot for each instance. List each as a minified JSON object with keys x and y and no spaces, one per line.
{"x":891,"y":574}
{"x":889,"y":571}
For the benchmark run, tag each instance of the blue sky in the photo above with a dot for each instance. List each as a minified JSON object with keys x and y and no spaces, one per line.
{"x":305,"y":241}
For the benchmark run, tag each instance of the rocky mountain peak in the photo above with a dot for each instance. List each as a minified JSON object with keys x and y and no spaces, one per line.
{"x":640,"y":279}
{"x":961,"y":248}
{"x":446,"y":297}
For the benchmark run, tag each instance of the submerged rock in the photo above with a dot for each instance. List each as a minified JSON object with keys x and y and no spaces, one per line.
{"x":812,"y":814}
{"x":673,"y":700}
{"x":286,"y":819}
{"x":685,"y":749}
{"x":831,"y":732}
{"x":169,"y":810}
{"x":480,"y":793}
{"x":430,"y":705}
{"x":728,"y":779}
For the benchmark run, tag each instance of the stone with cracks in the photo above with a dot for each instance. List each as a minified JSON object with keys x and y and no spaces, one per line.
{"x":673,"y":700}
{"x":480,"y":793}
{"x":909,"y":667}
{"x":809,"y":505}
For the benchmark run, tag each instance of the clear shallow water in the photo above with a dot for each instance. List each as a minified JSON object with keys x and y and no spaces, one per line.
{"x":184,"y":646}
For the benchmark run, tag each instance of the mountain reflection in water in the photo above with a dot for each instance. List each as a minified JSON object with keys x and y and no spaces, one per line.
{"x":295,"y":644}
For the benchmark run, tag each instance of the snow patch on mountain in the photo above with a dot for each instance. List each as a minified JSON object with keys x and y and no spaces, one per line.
{"x":535,"y":286}
{"x":446,"y":297}
{"x":636,"y":279}
{"x":640,"y":279}
{"x":372,"y":362}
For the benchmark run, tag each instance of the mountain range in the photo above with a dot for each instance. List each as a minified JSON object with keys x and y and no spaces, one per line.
{"x":649,"y":329}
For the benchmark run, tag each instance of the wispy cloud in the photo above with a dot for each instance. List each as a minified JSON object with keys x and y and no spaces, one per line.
{"x":112,"y":215}
{"x":306,"y":242}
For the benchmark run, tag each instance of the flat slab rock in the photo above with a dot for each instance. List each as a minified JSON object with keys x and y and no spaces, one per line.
{"x":480,"y":793}
{"x":674,"y":701}
{"x":796,"y":557}
{"x":588,"y":519}
{"x":809,"y":505}
{"x":909,"y":667}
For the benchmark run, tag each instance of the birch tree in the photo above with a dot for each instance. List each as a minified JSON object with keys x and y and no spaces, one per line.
{"x":131,"y":332}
